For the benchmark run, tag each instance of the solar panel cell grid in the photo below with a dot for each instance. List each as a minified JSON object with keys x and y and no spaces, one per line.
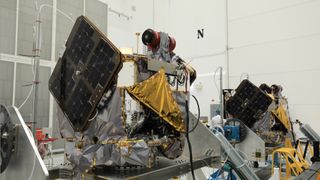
{"x":85,"y":71}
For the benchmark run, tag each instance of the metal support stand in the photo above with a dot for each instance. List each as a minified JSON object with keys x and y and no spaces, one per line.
{"x":26,"y":162}
{"x":241,"y":167}
{"x":35,"y":83}
{"x":221,"y":96}
{"x":36,"y":65}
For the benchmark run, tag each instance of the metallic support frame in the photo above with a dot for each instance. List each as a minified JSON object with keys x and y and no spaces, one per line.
{"x":26,"y":154}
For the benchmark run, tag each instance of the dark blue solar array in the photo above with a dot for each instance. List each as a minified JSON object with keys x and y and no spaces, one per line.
{"x":86,"y":69}
{"x":248,"y":103}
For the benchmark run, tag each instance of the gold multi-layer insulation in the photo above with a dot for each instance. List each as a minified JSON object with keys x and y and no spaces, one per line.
{"x":156,"y":94}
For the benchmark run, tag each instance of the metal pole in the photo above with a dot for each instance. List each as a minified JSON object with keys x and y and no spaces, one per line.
{"x":241,"y":167}
{"x":227,"y":44}
{"x":221,"y":97}
{"x":53,"y":53}
{"x":36,"y":51}
{"x":137,"y":34}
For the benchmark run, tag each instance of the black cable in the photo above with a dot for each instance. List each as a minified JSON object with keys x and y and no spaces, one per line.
{"x":189,"y":143}
{"x":198,"y":118}
{"x":187,"y":130}
{"x":181,"y":81}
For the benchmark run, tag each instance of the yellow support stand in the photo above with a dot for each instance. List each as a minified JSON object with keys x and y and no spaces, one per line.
{"x":301,"y":151}
{"x":287,"y":143}
{"x":295,"y":164}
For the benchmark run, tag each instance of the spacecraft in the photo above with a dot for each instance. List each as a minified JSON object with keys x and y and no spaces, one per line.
{"x":112,"y":129}
{"x":93,"y":115}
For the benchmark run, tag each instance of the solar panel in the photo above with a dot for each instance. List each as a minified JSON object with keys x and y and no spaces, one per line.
{"x":87,"y":68}
{"x":248,"y":103}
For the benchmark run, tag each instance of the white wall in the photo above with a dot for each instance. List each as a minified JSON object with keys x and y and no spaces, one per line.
{"x":278,"y":42}
{"x":121,"y":30}
{"x":181,"y":19}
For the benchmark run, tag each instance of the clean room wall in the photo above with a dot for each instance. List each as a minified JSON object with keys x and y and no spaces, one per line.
{"x":182,"y":20}
{"x":26,"y":24}
{"x":6,"y":80}
{"x":135,"y":16}
{"x":278,"y":42}
{"x":23,"y":85}
{"x":73,"y":8}
{"x":7,"y":32}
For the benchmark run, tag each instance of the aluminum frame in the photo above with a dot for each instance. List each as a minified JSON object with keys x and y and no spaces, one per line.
{"x":26,"y":154}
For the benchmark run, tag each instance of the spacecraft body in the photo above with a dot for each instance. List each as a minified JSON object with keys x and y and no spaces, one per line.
{"x":92,"y":112}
